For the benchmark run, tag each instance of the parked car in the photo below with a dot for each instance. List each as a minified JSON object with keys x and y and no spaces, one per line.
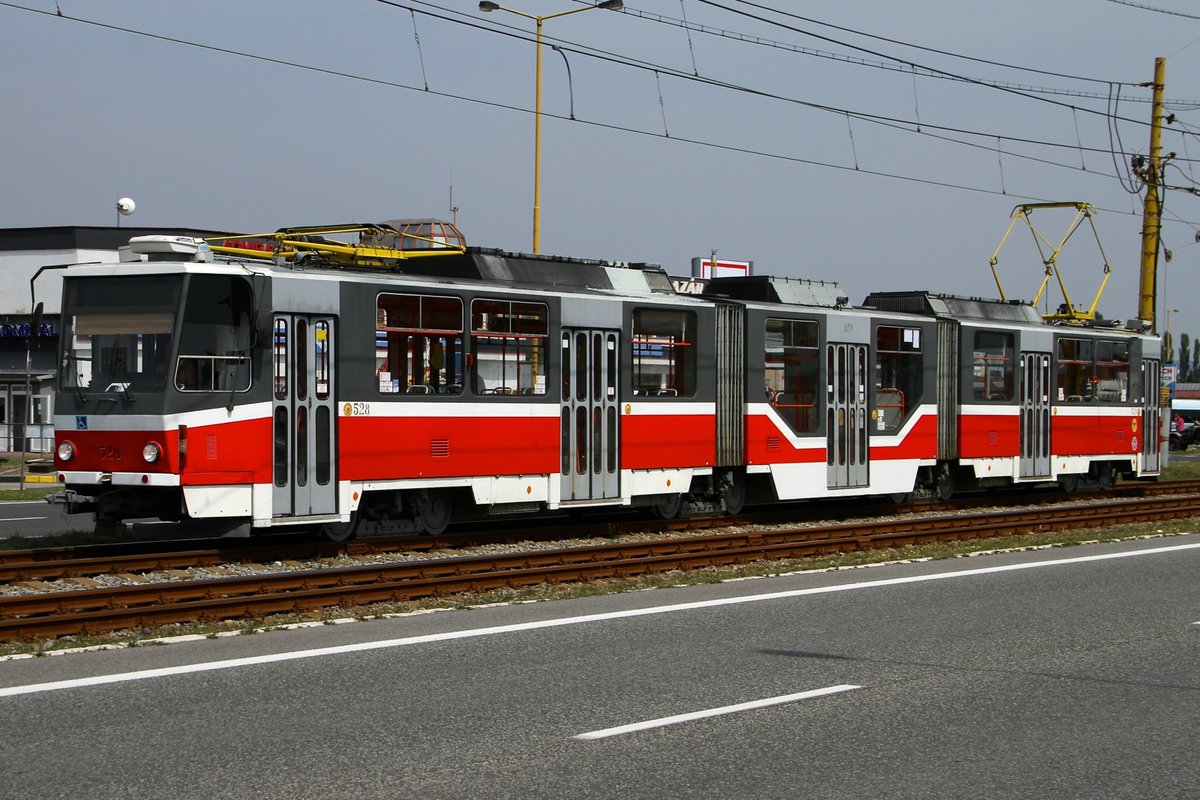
{"x":1183,"y":434}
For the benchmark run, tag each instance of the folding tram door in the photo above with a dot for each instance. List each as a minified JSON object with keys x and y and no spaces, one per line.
{"x":846,"y":445}
{"x":1152,"y":420}
{"x":304,"y":416}
{"x":589,"y":419}
{"x":1035,"y":416}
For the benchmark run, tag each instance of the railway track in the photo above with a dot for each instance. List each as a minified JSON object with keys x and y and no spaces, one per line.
{"x":107,"y":608}
{"x":55,"y":563}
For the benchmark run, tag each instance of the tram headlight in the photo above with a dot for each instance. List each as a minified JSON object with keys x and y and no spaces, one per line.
{"x":151,"y":452}
{"x":66,"y":451}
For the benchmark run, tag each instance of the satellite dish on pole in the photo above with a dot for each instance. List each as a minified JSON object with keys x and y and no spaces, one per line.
{"x":125,"y":207}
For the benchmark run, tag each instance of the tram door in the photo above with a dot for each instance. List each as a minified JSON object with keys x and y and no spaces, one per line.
{"x":846,"y":440}
{"x":589,"y":419}
{"x":1035,"y":416}
{"x":304,"y":416}
{"x":1152,"y":420}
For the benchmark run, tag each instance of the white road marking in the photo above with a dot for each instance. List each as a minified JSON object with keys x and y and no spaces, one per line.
{"x":22,"y":519}
{"x":716,"y":712}
{"x":208,"y":666}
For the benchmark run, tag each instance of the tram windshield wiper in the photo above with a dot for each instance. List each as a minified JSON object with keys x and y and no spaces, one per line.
{"x":116,"y":384}
{"x":72,"y":370}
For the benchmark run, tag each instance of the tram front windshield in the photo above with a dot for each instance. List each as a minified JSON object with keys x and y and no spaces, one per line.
{"x":120,"y":334}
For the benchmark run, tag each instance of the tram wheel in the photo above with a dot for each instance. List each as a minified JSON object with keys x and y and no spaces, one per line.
{"x":669,"y":507}
{"x":434,"y":511}
{"x":1103,"y":476}
{"x":733,"y":492}
{"x":340,"y":531}
{"x":944,"y":483}
{"x":109,"y":528}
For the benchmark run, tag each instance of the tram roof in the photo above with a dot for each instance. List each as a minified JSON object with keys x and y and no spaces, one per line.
{"x":948,"y":305}
{"x":772,"y":289}
{"x":525,"y":270}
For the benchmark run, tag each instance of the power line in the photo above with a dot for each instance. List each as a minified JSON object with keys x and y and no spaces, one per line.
{"x":911,"y":126}
{"x":1152,"y":8}
{"x":597,"y":124}
{"x":933,"y":50}
{"x":844,"y":58}
{"x":904,"y":61}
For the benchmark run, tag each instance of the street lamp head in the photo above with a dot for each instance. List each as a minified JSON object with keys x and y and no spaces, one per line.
{"x":611,"y":5}
{"x":486,"y":6}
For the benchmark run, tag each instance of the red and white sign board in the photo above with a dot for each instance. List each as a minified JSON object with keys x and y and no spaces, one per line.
{"x":707,"y":268}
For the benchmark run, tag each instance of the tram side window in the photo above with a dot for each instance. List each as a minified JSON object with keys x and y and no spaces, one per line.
{"x":993,"y":367}
{"x":792,"y":371}
{"x":1093,"y":371}
{"x":1112,"y":371}
{"x":899,"y":375}
{"x":279,"y":358}
{"x":1075,"y":371}
{"x":419,"y":344}
{"x":508,"y":347}
{"x":664,"y":353}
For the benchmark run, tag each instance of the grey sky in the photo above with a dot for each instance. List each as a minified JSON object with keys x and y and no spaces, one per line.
{"x":656,"y":167}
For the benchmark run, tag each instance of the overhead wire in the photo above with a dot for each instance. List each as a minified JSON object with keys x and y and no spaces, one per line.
{"x":907,"y":62}
{"x":759,"y":41}
{"x":590,"y":52}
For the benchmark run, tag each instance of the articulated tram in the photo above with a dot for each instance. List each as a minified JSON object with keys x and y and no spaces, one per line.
{"x":369,"y":389}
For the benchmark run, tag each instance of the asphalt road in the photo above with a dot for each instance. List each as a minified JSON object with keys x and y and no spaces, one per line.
{"x":38,"y":518}
{"x":1061,"y":673}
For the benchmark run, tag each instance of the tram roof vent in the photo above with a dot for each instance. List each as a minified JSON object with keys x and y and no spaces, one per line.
{"x":948,"y":305}
{"x":770,"y":289}
{"x":170,"y":248}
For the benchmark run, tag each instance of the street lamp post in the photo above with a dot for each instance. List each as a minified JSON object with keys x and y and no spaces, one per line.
{"x":610,"y":5}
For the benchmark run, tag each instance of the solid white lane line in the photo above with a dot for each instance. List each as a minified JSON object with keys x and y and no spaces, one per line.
{"x":556,"y":623}
{"x":716,"y":712}
{"x":22,"y":519}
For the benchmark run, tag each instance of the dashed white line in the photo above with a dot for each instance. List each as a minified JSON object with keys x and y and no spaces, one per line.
{"x":716,"y":712}
{"x":208,"y":666}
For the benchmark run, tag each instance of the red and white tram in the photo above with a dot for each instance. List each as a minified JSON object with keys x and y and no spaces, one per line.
{"x":253,"y":394}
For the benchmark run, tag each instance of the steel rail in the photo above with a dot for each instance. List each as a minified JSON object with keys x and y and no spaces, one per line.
{"x":57,"y":563}
{"x":108,"y":609}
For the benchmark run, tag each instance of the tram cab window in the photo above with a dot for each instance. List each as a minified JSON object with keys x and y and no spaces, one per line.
{"x":993,"y":366}
{"x":663,"y":346}
{"x":899,"y":375}
{"x":117,"y":333}
{"x":214,"y":343}
{"x":792,"y":372}
{"x":419,"y":344}
{"x":508,"y":347}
